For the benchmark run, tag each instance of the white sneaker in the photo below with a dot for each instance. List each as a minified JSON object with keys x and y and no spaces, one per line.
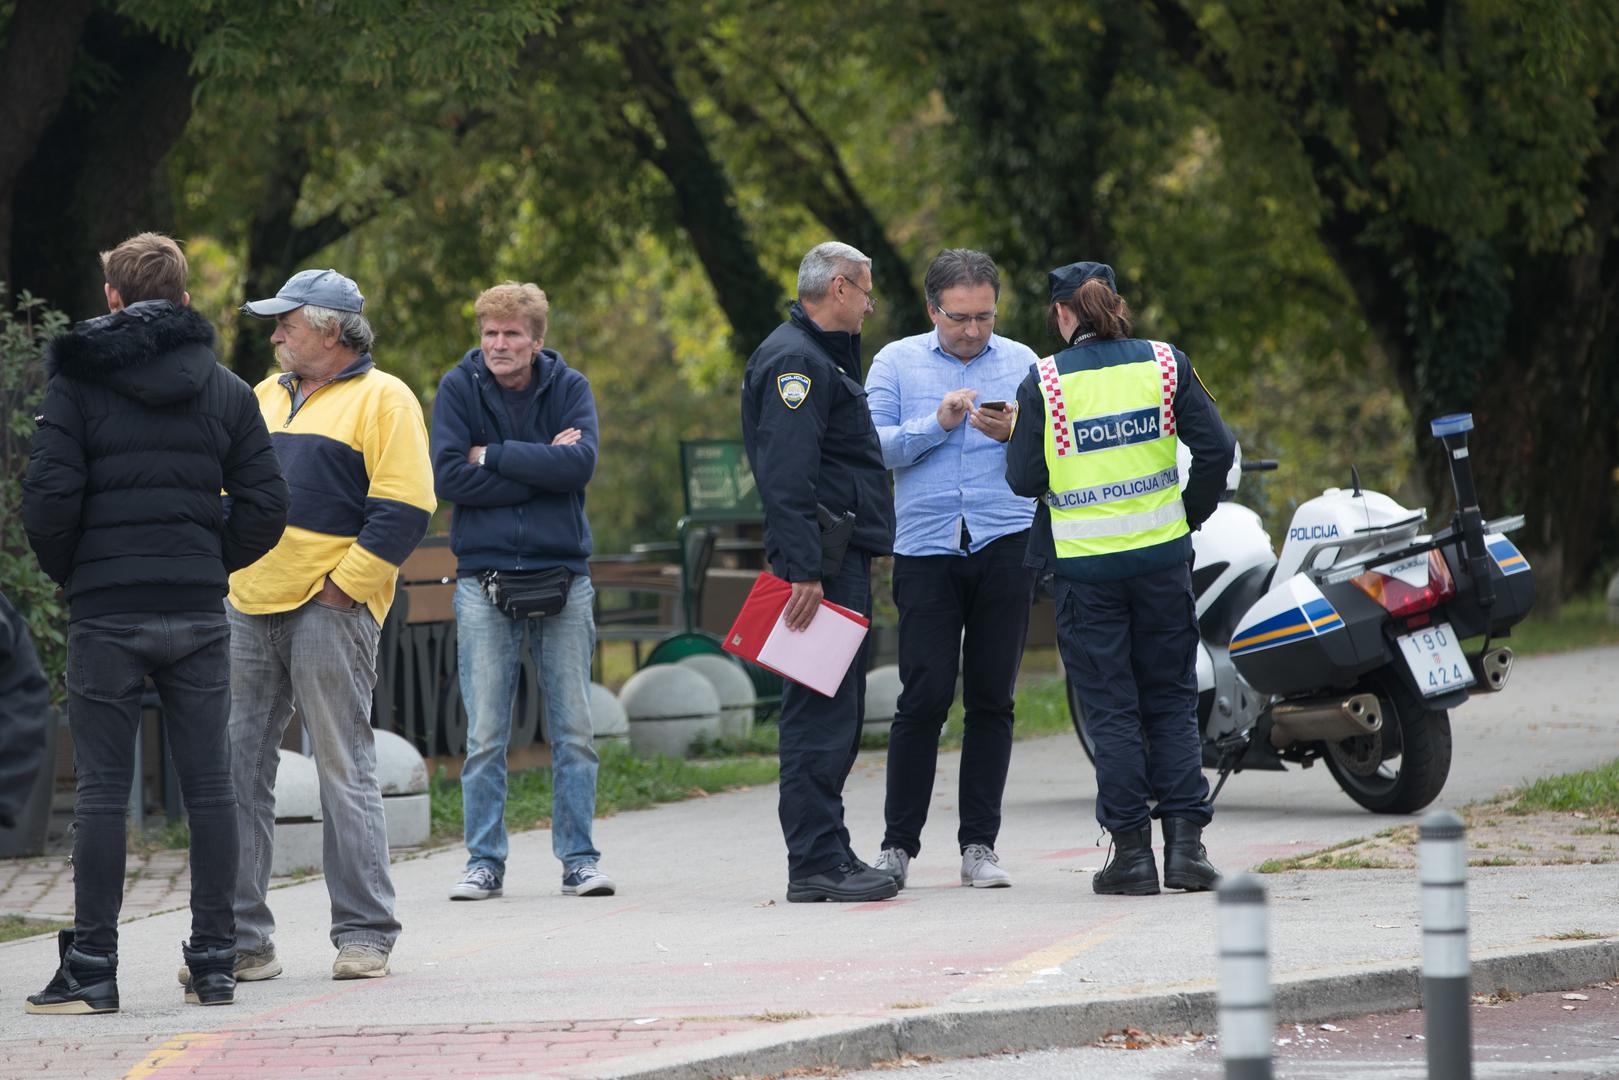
{"x":478,"y":883}
{"x":360,"y":962}
{"x":981,"y":868}
{"x":895,"y":862}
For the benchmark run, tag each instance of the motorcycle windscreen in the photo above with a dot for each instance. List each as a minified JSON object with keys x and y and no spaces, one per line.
{"x":1297,"y":638}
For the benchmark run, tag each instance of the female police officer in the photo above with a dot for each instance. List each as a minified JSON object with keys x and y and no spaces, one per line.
{"x":1095,"y":442}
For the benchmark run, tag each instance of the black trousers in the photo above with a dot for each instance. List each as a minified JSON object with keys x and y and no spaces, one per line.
{"x":954,"y":608}
{"x":187,"y":656}
{"x":1130,"y":648}
{"x":820,"y":737}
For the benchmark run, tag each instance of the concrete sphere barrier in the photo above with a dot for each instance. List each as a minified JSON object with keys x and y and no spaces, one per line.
{"x":735,"y":690}
{"x":608,"y":720}
{"x":882,"y":698}
{"x":402,"y":775}
{"x":298,"y":837}
{"x":670,"y":707}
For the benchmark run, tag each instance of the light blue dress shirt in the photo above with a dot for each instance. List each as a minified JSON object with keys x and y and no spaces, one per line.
{"x":942,"y":478}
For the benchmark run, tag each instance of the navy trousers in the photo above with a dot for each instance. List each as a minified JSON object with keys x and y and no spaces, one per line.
{"x":820,"y":737}
{"x":1130,"y":648}
{"x":956,"y":610}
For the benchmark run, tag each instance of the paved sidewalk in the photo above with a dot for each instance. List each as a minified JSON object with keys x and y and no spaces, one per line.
{"x":700,"y":968}
{"x":42,"y":887}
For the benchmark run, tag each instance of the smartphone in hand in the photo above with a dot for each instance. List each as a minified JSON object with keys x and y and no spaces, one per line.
{"x":998,"y":406}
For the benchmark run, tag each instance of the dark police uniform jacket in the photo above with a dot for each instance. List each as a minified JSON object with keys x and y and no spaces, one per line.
{"x":1197,"y":424}
{"x":810,"y":439}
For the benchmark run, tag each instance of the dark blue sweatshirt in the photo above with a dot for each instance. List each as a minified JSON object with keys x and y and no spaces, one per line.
{"x":524,"y":508}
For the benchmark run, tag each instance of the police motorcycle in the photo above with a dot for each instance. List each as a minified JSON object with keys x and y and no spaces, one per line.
{"x":1348,"y":646}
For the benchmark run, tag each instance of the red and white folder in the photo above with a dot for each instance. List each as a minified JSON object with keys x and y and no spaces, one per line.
{"x":817,"y":656}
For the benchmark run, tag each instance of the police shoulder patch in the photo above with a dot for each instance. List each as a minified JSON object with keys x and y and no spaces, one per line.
{"x":794,"y":389}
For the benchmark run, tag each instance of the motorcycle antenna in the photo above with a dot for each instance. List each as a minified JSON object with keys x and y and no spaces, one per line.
{"x":1354,"y":481}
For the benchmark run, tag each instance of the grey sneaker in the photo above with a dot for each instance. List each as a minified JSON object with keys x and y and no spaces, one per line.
{"x":588,"y":880}
{"x":250,"y":966}
{"x":895,"y":862}
{"x":360,"y":962}
{"x":479,"y":883}
{"x":981,"y":868}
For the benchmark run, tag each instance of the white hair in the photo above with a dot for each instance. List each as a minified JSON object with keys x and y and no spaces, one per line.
{"x":825,"y":262}
{"x":353,"y":330}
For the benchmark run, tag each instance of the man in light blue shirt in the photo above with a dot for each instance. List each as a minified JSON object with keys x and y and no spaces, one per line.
{"x":943,"y":403}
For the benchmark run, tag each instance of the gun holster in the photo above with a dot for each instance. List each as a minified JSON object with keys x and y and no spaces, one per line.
{"x":836,"y":529}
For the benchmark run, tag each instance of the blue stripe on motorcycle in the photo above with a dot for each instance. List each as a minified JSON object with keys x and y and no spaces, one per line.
{"x":1508,"y":557}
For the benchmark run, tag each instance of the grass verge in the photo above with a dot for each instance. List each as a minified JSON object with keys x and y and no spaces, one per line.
{"x":13,"y":927}
{"x":625,"y":781}
{"x":1581,"y":623}
{"x":1594,"y":791}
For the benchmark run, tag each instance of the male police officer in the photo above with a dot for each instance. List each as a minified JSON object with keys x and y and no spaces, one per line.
{"x":1096,"y":442}
{"x":813,"y":448}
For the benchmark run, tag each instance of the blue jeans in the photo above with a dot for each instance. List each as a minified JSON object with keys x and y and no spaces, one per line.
{"x":489,"y":656}
{"x":322,"y":662}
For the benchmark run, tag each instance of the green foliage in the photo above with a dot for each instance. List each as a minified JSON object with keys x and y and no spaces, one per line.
{"x":24,"y":330}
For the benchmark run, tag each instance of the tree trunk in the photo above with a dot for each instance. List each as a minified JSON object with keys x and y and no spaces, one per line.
{"x":35,"y":72}
{"x":704,"y":203}
{"x":97,"y":176}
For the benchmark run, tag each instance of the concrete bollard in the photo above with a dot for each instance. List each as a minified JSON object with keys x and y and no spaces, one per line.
{"x":732,"y":686}
{"x":670,"y":707}
{"x":608,"y":720}
{"x":882,"y":698}
{"x":1446,"y":973}
{"x":1245,"y":998}
{"x":402,"y":776}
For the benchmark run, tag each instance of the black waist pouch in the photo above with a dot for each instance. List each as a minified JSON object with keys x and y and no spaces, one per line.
{"x":528,"y":595}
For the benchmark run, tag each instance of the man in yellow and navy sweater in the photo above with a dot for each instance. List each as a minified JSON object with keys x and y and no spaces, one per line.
{"x":305,"y":618}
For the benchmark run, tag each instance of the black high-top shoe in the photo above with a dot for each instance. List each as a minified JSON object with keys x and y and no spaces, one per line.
{"x":82,"y":984}
{"x":1186,"y":864}
{"x":211,"y":975}
{"x":1131,"y":871}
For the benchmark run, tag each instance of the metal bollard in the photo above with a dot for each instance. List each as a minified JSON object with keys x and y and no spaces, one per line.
{"x":1446,"y":973}
{"x":1245,"y":1000}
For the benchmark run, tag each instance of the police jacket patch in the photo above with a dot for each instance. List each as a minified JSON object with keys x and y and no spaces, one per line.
{"x":793,"y":388}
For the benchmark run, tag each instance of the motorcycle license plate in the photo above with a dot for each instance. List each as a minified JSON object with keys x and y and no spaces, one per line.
{"x":1435,"y":659}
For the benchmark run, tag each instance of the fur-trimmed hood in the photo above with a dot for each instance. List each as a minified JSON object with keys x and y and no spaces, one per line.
{"x":154,"y":351}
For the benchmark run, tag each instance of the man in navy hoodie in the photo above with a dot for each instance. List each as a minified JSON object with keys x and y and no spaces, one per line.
{"x":514,"y":444}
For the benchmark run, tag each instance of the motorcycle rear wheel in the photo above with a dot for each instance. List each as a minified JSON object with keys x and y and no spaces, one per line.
{"x":1404,"y":766}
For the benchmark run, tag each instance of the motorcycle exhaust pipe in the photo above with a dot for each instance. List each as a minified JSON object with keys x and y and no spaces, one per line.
{"x":1325,"y":719}
{"x":1492,"y":669}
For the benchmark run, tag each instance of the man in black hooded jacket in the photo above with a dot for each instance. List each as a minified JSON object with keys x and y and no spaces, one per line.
{"x":140,"y":431}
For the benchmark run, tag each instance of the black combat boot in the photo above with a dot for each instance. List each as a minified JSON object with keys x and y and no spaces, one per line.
{"x":1131,"y":871}
{"x":1186,"y":864}
{"x":211,"y":975}
{"x":82,"y":984}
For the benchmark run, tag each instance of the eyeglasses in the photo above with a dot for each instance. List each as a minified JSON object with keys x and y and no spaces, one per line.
{"x":871,"y":301}
{"x":983,"y":317}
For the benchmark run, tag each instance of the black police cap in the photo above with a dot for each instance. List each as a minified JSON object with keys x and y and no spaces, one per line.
{"x":1066,"y":279}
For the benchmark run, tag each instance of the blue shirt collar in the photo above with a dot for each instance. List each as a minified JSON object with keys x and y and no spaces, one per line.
{"x":934,"y":346}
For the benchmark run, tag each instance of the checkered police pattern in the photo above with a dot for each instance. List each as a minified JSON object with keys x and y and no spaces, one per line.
{"x":1167,"y":380}
{"x":1051,"y":389}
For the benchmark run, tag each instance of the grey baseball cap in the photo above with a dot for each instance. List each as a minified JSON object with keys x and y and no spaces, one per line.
{"x":323,"y":288}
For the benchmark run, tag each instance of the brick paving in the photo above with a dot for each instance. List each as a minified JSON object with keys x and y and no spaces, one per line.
{"x":549,"y":1048}
{"x":42,"y":887}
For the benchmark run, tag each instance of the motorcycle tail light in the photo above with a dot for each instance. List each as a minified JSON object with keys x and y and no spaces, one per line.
{"x":1400,"y":599}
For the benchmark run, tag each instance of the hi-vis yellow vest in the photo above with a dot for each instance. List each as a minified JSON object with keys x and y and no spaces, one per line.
{"x":1110,"y":452}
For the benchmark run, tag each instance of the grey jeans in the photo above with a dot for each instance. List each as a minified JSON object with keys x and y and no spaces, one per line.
{"x":321,"y":661}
